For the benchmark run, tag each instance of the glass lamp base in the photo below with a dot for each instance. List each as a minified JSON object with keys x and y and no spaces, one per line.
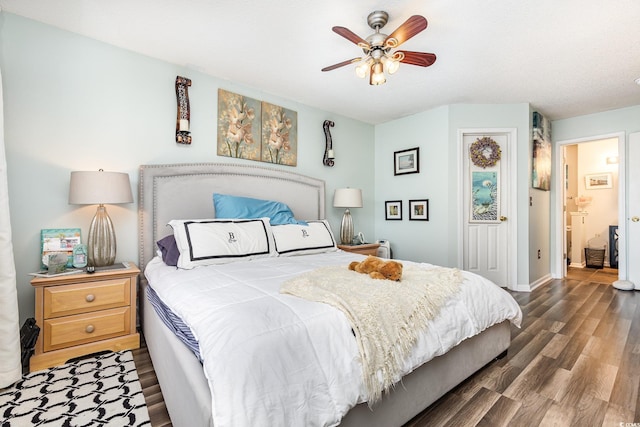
{"x":346,"y":229}
{"x":101,"y":242}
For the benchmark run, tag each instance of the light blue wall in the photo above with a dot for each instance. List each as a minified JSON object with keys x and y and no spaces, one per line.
{"x":436,"y":133}
{"x":424,"y":241}
{"x":72,"y":103}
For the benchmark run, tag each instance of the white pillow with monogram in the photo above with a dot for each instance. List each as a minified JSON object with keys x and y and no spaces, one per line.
{"x":294,"y":239}
{"x":220,"y":241}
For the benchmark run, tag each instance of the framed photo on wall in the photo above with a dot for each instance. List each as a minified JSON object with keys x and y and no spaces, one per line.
{"x":393,"y":210}
{"x":406,"y":161}
{"x":419,"y":210}
{"x":596,"y":181}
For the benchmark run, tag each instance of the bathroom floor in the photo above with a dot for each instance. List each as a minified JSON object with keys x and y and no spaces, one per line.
{"x":598,"y":275}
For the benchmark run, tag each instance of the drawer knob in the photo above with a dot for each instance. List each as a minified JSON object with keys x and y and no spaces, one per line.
{"x":89,"y":329}
{"x":90,"y":297}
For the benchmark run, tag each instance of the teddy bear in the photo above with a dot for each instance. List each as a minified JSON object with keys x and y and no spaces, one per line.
{"x":377,"y":268}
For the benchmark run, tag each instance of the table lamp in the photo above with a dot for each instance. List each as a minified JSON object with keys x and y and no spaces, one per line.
{"x":347,"y":198}
{"x":100,"y":188}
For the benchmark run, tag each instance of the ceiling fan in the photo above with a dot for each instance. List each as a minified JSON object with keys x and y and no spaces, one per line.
{"x":378,"y":47}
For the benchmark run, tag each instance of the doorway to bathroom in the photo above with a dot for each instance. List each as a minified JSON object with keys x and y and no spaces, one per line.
{"x":591,"y":205}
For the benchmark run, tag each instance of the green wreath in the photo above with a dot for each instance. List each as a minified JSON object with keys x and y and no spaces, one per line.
{"x":485,"y":152}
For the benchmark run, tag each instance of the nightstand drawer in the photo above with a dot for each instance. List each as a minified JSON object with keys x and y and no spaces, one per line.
{"x":68,"y":331}
{"x":85,"y":297}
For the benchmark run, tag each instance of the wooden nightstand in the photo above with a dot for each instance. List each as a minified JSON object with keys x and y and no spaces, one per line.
{"x":80,"y":314}
{"x":364,"y":249}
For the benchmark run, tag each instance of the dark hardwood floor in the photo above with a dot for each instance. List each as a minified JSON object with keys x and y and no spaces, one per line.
{"x":575,"y":361}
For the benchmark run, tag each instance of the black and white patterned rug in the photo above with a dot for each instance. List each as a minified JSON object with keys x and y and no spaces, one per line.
{"x":98,"y":391}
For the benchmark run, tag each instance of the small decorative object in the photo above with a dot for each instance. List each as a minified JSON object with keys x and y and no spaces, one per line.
{"x":484,"y":196}
{"x":597,"y":181}
{"x":58,"y":240}
{"x":541,"y":166}
{"x":347,"y":198}
{"x":393,"y":210}
{"x":279,"y":135}
{"x":419,"y":210}
{"x":406,"y":161}
{"x":485,"y":152}
{"x":183,"y":134}
{"x":100,"y":188}
{"x":238,"y":128}
{"x":378,"y":268}
{"x":80,"y":256}
{"x":57,"y":262}
{"x":328,"y":159}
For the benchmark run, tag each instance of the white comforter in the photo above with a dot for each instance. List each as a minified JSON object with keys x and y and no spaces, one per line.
{"x":275,"y":360}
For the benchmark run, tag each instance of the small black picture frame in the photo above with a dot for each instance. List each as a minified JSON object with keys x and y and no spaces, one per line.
{"x":419,"y":210}
{"x":393,"y":210}
{"x":406,"y":161}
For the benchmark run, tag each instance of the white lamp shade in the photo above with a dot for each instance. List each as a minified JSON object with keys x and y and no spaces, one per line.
{"x":99,"y":187}
{"x":347,"y":198}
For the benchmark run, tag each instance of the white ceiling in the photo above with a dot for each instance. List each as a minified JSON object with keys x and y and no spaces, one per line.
{"x":564,"y":57}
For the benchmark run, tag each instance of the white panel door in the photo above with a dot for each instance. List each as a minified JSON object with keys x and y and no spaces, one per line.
{"x":632,"y":237}
{"x":486,"y":211}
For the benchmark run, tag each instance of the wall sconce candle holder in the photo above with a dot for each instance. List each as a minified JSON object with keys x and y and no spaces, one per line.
{"x":183,"y":134}
{"x":328,"y":159}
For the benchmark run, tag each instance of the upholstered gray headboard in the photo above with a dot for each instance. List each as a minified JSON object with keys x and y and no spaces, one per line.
{"x":185,"y":191}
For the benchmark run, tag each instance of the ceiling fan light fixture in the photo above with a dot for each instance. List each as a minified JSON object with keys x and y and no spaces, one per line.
{"x":377,"y":74}
{"x":390,"y":64}
{"x":363,"y":68}
{"x":378,"y":60}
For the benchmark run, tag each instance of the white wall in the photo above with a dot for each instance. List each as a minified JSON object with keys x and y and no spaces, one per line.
{"x":72,"y":103}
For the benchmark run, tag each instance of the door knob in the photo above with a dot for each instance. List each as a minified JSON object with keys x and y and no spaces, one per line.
{"x":503,"y":218}
{"x":635,"y":219}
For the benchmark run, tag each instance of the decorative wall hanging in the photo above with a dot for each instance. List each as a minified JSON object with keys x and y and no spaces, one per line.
{"x":485,"y":152}
{"x":183,"y":134}
{"x":597,"y":181}
{"x":329,"y":157}
{"x":393,"y":210}
{"x":279,"y":135}
{"x":406,"y":161}
{"x":484,"y":196}
{"x":541,"y":157}
{"x":253,"y":130}
{"x":238,"y":126}
{"x":419,"y":210}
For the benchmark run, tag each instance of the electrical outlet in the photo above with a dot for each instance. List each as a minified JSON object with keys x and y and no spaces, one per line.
{"x":539,"y":254}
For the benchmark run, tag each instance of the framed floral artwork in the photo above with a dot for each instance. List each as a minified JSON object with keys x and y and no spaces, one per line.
{"x":419,"y":210}
{"x":279,"y":135}
{"x":238,"y":126}
{"x":406,"y":161}
{"x":393,"y":210}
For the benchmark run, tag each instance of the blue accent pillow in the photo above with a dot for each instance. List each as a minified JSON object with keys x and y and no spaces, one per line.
{"x":227,"y":206}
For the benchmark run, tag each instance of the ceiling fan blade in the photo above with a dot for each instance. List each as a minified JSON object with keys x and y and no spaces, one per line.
{"x":408,"y":29}
{"x":351,"y":36}
{"x":421,"y":59}
{"x":341,"y":64}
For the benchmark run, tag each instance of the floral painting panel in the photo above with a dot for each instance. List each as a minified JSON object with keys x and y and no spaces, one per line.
{"x":238,"y":126}
{"x":279,"y":135}
{"x":484,"y":196}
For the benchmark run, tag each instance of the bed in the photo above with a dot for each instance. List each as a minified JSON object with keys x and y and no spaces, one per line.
{"x":184,"y":191}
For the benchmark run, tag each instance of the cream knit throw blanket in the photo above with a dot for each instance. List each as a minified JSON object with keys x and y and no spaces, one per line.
{"x":386,"y":316}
